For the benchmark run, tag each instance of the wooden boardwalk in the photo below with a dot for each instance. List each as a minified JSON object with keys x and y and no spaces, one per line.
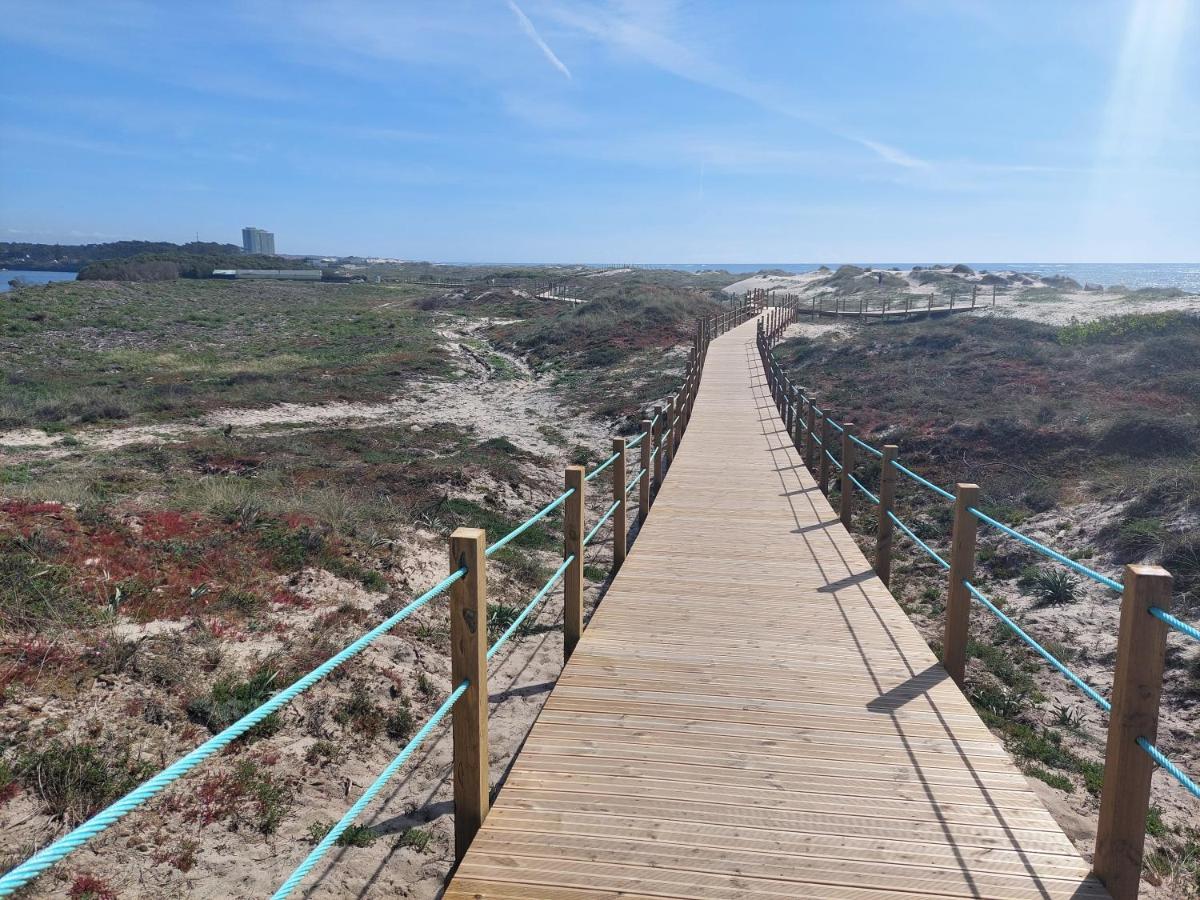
{"x":751,"y":714}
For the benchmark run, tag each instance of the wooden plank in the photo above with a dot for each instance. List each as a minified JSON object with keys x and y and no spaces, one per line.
{"x":751,"y":715}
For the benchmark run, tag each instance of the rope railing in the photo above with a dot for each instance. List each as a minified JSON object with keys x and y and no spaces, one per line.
{"x":904,"y":470}
{"x":833,"y":461}
{"x":1118,"y":854}
{"x":1016,"y":629}
{"x":529,"y":523}
{"x":43,"y":859}
{"x":866,"y":446}
{"x":331,"y":837}
{"x":636,"y":480}
{"x":604,"y":518}
{"x":600,"y":468}
{"x":529,"y":607}
{"x":77,"y":837}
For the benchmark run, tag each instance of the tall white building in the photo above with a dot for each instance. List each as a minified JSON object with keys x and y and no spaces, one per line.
{"x":256,"y":240}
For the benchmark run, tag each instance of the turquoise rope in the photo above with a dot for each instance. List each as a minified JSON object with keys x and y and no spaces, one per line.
{"x":529,"y":523}
{"x":293,"y":880}
{"x":919,"y":480}
{"x":836,"y":464}
{"x":1042,"y":651}
{"x":1175,"y":623}
{"x":43,"y":859}
{"x":1173,"y":770}
{"x":858,"y":484}
{"x":1046,"y":551}
{"x":637,"y":440}
{"x":867,"y":446}
{"x":604,"y":518}
{"x":600,"y":468}
{"x":516,"y":623}
{"x":916,"y":540}
{"x":834,"y":425}
{"x":633,"y":484}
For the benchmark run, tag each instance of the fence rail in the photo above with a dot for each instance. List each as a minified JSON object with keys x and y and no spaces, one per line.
{"x":1133,"y":710}
{"x":467,"y":581}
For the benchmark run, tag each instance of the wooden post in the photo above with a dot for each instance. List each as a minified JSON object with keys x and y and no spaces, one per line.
{"x":619,"y":520}
{"x":798,"y":418}
{"x":993,"y":296}
{"x":962,"y":567}
{"x":823,"y":476}
{"x":847,"y":498}
{"x":887,"y":498}
{"x":809,"y":443}
{"x":678,"y":430}
{"x":1137,"y":685}
{"x":468,"y":661}
{"x":974,"y":294}
{"x":573,"y":547}
{"x":790,"y":406}
{"x":660,"y":416}
{"x":647,"y":447}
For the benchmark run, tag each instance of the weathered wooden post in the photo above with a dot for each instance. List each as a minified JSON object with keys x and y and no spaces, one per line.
{"x":573,"y":549}
{"x":647,"y":447}
{"x":678,"y":429}
{"x":810,"y":435}
{"x":791,"y":409}
{"x":962,"y":567}
{"x":823,"y":476}
{"x":974,"y":294}
{"x":993,"y":296}
{"x":660,"y":417}
{"x":1137,"y":686}
{"x":619,"y":518}
{"x":846,"y":501}
{"x":468,"y":662}
{"x":887,"y":498}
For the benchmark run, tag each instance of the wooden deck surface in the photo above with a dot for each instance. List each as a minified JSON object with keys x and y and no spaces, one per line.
{"x":750,"y":714}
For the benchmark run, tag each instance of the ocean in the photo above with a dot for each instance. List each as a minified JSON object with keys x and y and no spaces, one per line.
{"x":1185,"y":276}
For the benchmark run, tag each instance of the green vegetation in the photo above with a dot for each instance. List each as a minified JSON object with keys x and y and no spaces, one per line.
{"x":72,"y":257}
{"x":74,"y":781}
{"x":230,"y":700}
{"x":353,"y":836}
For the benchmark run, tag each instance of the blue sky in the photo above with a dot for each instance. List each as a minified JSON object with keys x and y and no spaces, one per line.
{"x":582,"y":130}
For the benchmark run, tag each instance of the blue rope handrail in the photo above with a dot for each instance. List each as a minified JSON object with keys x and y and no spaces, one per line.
{"x":629,"y":445}
{"x":314,"y":856}
{"x":537,"y":598}
{"x":600,"y":468}
{"x":1171,"y":769}
{"x":48,"y":856}
{"x":1046,"y":551}
{"x":604,"y":518}
{"x":634,"y":483}
{"x":916,"y":540}
{"x":866,"y":446}
{"x":837,"y":465}
{"x":834,"y":425}
{"x":919,"y":480}
{"x":1087,"y":689}
{"x":529,"y":523}
{"x":1178,"y":624}
{"x":858,"y":484}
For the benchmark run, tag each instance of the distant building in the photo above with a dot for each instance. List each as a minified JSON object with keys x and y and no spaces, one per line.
{"x":285,"y":274}
{"x":256,"y":240}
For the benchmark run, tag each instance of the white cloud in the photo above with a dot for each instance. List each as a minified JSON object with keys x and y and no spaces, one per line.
{"x":533,"y":35}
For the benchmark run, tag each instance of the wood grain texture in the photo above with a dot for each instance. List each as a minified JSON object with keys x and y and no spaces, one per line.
{"x":751,"y":714}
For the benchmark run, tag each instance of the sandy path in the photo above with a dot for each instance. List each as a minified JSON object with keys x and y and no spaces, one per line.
{"x":506,"y":400}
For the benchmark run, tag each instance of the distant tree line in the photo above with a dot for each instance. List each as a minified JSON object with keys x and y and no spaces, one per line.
{"x":73,"y":257}
{"x":171,"y":265}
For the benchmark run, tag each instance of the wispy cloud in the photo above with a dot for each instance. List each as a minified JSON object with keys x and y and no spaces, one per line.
{"x":532,"y":33}
{"x":638,"y":31}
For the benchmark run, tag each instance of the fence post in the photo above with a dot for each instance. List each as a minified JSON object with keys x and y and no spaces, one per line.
{"x":468,"y":660}
{"x":962,"y":567}
{"x":847,"y":498}
{"x":677,"y":435}
{"x":620,"y":524}
{"x":798,"y":418}
{"x":823,"y":476}
{"x":809,"y":443}
{"x":644,"y":481}
{"x":660,"y":415}
{"x":573,"y":546}
{"x":1137,"y":685}
{"x":887,"y":497}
